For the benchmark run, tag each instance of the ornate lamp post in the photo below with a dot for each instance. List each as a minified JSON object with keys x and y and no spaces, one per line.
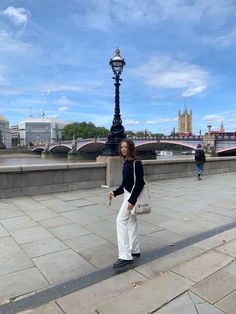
{"x":117,"y":130}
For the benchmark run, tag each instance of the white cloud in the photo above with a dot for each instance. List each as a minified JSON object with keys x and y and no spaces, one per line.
{"x":130,"y":122}
{"x":101,"y":14}
{"x":63,"y":109}
{"x":11,"y":45}
{"x":64,"y":87}
{"x":220,"y":41}
{"x":52,"y":116}
{"x":212,"y":118}
{"x":158,"y":121}
{"x":19,"y":16}
{"x":193,"y":91}
{"x":166,"y":72}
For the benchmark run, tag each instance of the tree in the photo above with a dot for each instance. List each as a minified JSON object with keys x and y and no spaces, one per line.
{"x":0,"y":136}
{"x":83,"y":130}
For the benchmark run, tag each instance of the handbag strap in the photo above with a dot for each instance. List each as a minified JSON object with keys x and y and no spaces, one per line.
{"x":134,"y":176}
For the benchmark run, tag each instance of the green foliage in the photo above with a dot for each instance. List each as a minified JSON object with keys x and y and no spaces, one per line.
{"x":0,"y":137}
{"x":83,"y":130}
{"x":130,"y":133}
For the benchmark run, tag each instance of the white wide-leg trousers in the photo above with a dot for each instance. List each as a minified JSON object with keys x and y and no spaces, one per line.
{"x":127,"y":231}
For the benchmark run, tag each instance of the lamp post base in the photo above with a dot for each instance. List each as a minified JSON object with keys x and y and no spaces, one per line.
{"x":112,"y":147}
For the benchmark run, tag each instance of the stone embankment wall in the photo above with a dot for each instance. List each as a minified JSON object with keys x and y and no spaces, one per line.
{"x":41,"y":179}
{"x":169,"y":169}
{"x":18,"y":181}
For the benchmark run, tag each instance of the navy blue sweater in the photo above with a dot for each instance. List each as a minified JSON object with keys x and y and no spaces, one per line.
{"x":128,"y":180}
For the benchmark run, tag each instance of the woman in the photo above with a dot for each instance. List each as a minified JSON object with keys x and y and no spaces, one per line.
{"x":200,"y":160}
{"x":126,"y":224}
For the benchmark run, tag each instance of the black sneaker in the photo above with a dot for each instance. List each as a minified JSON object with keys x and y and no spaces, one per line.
{"x":121,"y":263}
{"x":136,"y":255}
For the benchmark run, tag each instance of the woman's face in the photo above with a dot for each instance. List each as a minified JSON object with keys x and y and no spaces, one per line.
{"x":124,"y":149}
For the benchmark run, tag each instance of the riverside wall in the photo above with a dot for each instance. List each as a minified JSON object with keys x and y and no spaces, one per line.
{"x":16,"y":181}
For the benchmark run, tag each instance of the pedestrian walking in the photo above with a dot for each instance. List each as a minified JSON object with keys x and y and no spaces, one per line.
{"x":200,"y":160}
{"x":126,"y":222}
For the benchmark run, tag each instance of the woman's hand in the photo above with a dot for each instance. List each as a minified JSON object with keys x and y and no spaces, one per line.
{"x":110,"y":195}
{"x":130,"y":206}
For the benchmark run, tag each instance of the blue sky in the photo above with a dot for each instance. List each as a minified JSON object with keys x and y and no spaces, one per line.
{"x":54,"y":56}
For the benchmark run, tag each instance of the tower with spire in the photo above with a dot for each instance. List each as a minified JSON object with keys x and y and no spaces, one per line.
{"x":222,"y":129}
{"x":185,"y":121}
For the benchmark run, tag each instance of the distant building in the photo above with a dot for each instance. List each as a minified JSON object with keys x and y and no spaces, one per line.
{"x":5,"y":132}
{"x":222,"y":129}
{"x":185,"y":122}
{"x":38,"y":131}
{"x":15,"y":135}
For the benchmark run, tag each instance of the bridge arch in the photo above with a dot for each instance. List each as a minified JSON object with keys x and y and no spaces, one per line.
{"x":227,"y":151}
{"x":91,"y":147}
{"x":154,"y":145}
{"x":38,"y":149}
{"x":60,"y":148}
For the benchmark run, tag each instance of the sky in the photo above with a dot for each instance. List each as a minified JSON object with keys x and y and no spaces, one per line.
{"x":54,"y":57}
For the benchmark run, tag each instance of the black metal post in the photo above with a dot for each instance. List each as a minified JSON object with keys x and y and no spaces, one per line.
{"x":117,"y":131}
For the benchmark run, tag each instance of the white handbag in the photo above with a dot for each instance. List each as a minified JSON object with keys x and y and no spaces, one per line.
{"x":143,"y":204}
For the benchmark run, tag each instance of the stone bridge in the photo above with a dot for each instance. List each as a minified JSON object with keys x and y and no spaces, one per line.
{"x":213,"y":144}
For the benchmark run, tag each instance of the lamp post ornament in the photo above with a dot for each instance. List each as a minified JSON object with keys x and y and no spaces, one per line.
{"x":117,"y":131}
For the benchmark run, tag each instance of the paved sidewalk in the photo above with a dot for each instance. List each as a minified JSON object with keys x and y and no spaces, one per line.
{"x":49,"y":240}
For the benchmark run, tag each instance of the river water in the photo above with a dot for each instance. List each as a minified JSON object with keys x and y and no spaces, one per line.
{"x":25,"y":159}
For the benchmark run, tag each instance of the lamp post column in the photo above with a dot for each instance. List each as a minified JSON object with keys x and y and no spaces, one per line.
{"x":117,"y":131}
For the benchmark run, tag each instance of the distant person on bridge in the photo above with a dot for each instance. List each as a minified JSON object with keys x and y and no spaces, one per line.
{"x":126,"y":224}
{"x":200,"y":160}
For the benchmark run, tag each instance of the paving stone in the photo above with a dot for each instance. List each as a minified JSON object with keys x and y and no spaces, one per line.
{"x":164,"y":263}
{"x":148,"y":297}
{"x":161,"y":238}
{"x":21,"y":282}
{"x":69,"y":196}
{"x":210,"y":243}
{"x":84,"y":301}
{"x":43,"y":247}
{"x":202,"y":306}
{"x":146,"y":227}
{"x":180,"y":228}
{"x":30,"y":234}
{"x":58,"y":205}
{"x":228,"y":303}
{"x":102,"y":255}
{"x":98,"y":210}
{"x":68,"y":231}
{"x":206,"y":289}
{"x":88,"y":241}
{"x":50,"y":308}
{"x":200,"y":224}
{"x":104,"y":229}
{"x":10,"y":212}
{"x":62,"y":266}
{"x":81,"y":202}
{"x":12,"y":257}
{"x":181,"y":305}
{"x":3,"y":232}
{"x":26,"y":203}
{"x":15,"y":223}
{"x":42,"y":197}
{"x":202,"y":266}
{"x":82,"y":218}
{"x":228,"y":248}
{"x":154,"y":218}
{"x":54,"y":222}
{"x":41,"y":214}
{"x":228,"y":235}
{"x":4,"y":204}
{"x":231,"y":269}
